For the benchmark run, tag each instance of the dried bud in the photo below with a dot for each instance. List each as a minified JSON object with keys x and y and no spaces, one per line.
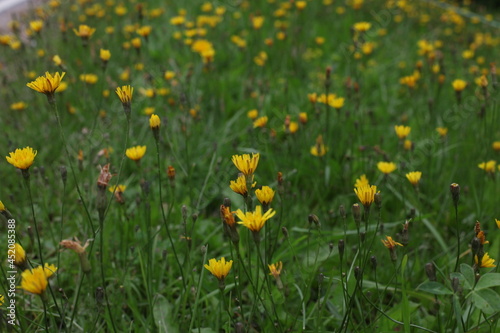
{"x":104,"y":177}
{"x":284,"y":230}
{"x":430,"y":270}
{"x":80,"y":250}
{"x":342,"y":211}
{"x":341,"y":247}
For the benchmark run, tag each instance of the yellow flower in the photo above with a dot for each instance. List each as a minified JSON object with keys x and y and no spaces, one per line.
{"x":497,"y":222}
{"x":144,"y":31}
{"x":169,"y":75}
{"x":2,"y":206}
{"x":47,"y":84}
{"x":84,"y":31}
{"x":265,"y":195}
{"x":390,"y":243}
{"x":245,"y":163}
{"x":459,"y":85}
{"x":319,"y":149}
{"x":257,"y":22}
{"x":57,"y":60}
{"x":402,"y":131}
{"x":219,"y":268}
{"x":300,"y":5}
{"x":239,"y":186}
{"x":254,"y":220}
{"x":442,"y":131}
{"x":366,"y":194}
{"x":89,"y":78}
{"x":36,"y":26}
{"x":486,"y":261}
{"x":386,"y":167}
{"x":337,"y":102}
{"x":227,"y":215}
{"x":361,"y":181}
{"x":253,"y":114}
{"x":414,"y":177}
{"x":105,"y":55}
{"x":408,"y":145}
{"x":362,"y":26}
{"x":20,"y":255}
{"x":275,"y":269}
{"x":118,"y":188}
{"x":125,"y":94}
{"x":18,"y":106}
{"x":136,"y":153}
{"x":154,"y":121}
{"x":303,"y":118}
{"x":488,"y":166}
{"x":22,"y":158}
{"x":260,"y":122}
{"x":36,"y":280}
{"x":2,"y":300}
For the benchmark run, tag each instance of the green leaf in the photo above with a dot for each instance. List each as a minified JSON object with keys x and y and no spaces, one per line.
{"x":488,"y":280}
{"x":486,"y":300}
{"x":468,"y":273}
{"x":435,"y":288}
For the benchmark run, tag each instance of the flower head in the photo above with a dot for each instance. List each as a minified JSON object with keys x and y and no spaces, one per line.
{"x":105,"y":55}
{"x":386,"y":167}
{"x":84,"y":31}
{"x":319,"y":149}
{"x":366,"y":194}
{"x":459,"y":85}
{"x":47,"y":84}
{"x":489,"y":166}
{"x":265,"y":195}
{"x":36,"y":280}
{"x":498,"y":223}
{"x":2,"y":207}
{"x":246,"y":164}
{"x":390,"y":243}
{"x":402,"y":131}
{"x":125,"y":94}
{"x":254,"y":220}
{"x":486,"y":261}
{"x":260,"y":122}
{"x":2,"y":300}
{"x":362,"y":181}
{"x":22,"y":158}
{"x":275,"y":269}
{"x":414,"y":177}
{"x":136,"y":153}
{"x":227,"y":215}
{"x":219,"y":268}
{"x":20,"y":255}
{"x":239,"y":185}
{"x":154,"y":121}
{"x":442,"y":131}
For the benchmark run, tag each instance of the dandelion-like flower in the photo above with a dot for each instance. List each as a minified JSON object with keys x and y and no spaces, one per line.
{"x":362,"y":26}
{"x":19,"y":256}
{"x":414,"y":177}
{"x":265,"y":195}
{"x":459,"y":85}
{"x":260,"y":122}
{"x":219,"y":268}
{"x":84,"y":31}
{"x":402,"y":131}
{"x":275,"y":269}
{"x":498,"y":223}
{"x":154,"y":121}
{"x":489,"y":166}
{"x":22,"y":158}
{"x":35,"y":280}
{"x":486,"y":261}
{"x":366,"y":194}
{"x":2,"y":207}
{"x":390,"y":244}
{"x":47,"y":84}
{"x":227,"y":215}
{"x":105,"y":55}
{"x":386,"y":167}
{"x":239,"y":185}
{"x":246,"y":164}
{"x":254,"y":220}
{"x":442,"y":131}
{"x":362,"y":181}
{"x":2,"y":300}
{"x":136,"y":153}
{"x":125,"y":94}
{"x":319,"y":149}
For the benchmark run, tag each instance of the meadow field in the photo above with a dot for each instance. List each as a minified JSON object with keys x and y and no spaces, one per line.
{"x":250,"y":166}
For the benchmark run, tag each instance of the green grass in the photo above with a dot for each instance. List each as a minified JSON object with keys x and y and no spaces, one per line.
{"x":147,"y":254}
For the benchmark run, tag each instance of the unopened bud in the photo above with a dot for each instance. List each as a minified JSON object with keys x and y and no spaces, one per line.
{"x":356,"y":213}
{"x":284,"y":230}
{"x":342,"y":211}
{"x":377,"y":198}
{"x":430,"y":270}
{"x":455,"y":193}
{"x":227,"y":202}
{"x":373,"y":260}
{"x":64,"y":173}
{"x":184,"y":213}
{"x":358,"y":273}
{"x":341,"y":247}
{"x":314,"y":219}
